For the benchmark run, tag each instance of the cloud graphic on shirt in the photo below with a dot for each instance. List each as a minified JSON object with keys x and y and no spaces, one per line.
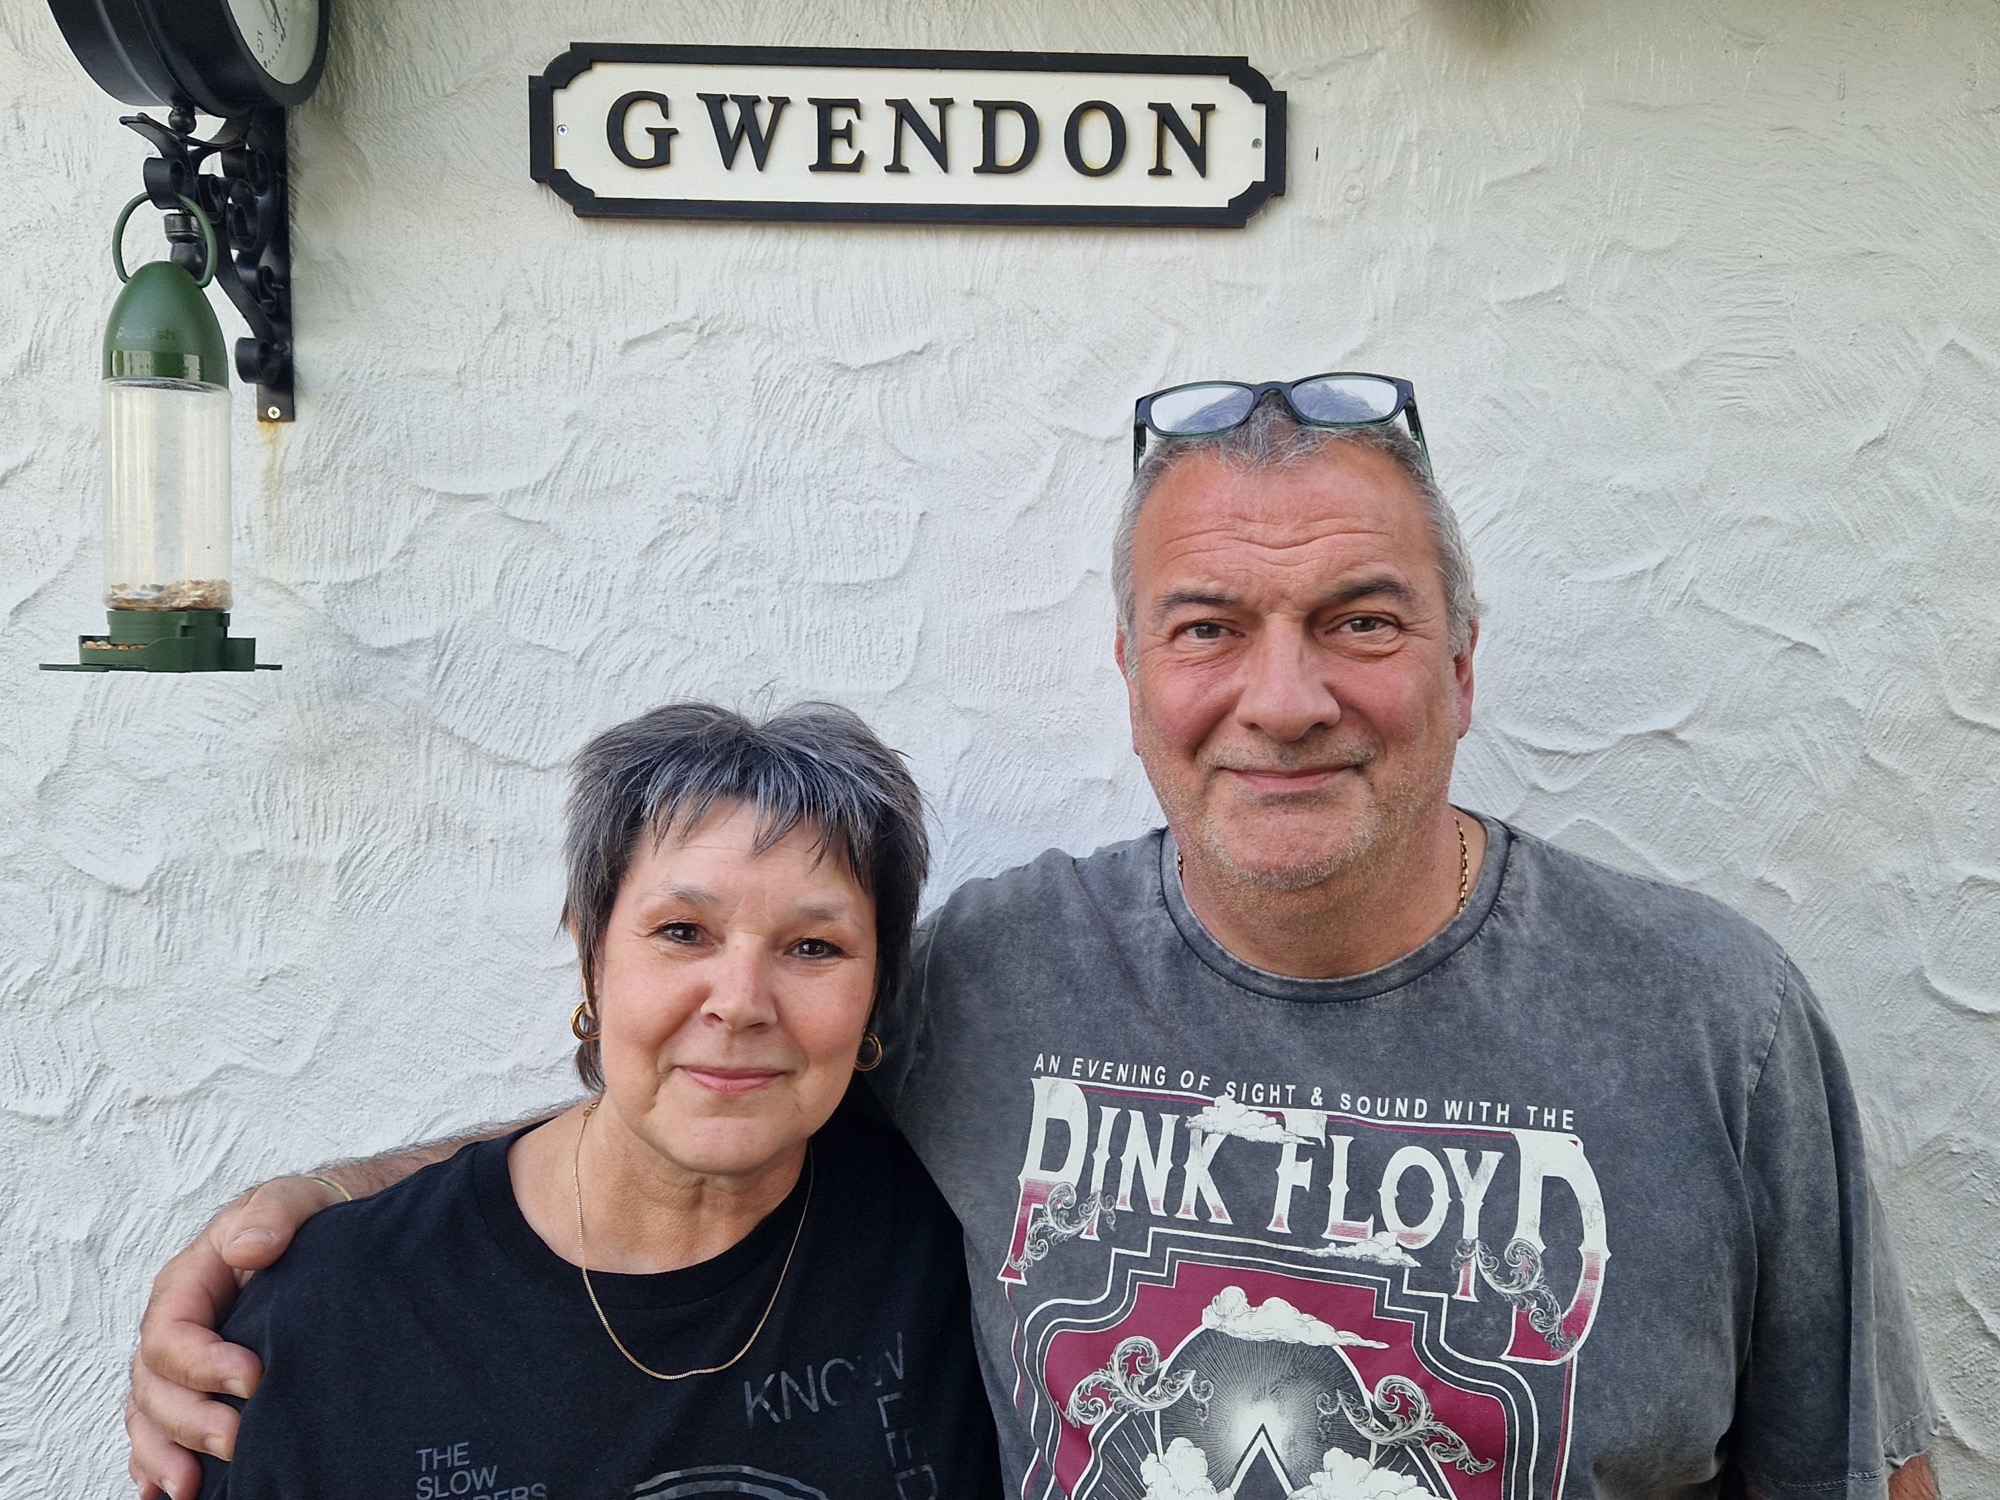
{"x":1274,"y":1321}
{"x":1380,"y":1248}
{"x":1343,"y":1476}
{"x":1181,"y":1473}
{"x":1225,"y":1116}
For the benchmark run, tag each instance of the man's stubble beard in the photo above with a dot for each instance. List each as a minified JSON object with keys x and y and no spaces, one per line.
{"x":1365,"y":839}
{"x":1387,"y":819}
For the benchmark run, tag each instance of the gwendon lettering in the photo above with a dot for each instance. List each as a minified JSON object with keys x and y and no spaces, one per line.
{"x":837,"y":134}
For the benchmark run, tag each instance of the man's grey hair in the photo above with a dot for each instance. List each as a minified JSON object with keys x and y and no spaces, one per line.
{"x":1274,"y":439}
{"x":814,"y":766}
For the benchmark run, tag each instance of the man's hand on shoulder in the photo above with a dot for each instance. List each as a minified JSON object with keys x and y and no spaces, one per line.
{"x":1916,"y":1480}
{"x":181,"y":1360}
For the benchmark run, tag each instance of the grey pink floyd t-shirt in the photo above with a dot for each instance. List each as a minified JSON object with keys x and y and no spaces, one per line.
{"x":1568,"y":1202}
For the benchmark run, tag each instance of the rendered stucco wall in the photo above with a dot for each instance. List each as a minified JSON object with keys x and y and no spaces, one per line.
{"x":1702,"y":305}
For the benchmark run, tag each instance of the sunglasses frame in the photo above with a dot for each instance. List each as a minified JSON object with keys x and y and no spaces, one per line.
{"x":1405,"y":407}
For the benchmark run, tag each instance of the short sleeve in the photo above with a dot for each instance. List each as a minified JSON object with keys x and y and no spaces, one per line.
{"x":296,"y":1318}
{"x":248,"y":1324}
{"x":1832,"y":1395}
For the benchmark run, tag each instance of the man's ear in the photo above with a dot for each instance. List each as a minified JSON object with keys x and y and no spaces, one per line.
{"x":1126,"y":655}
{"x":1461,"y":667}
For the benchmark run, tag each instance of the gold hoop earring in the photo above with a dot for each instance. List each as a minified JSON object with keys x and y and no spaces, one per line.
{"x":868,"y":1038}
{"x":576,"y":1018}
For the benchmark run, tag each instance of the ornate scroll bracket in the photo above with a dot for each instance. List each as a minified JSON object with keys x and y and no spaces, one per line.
{"x":1521,"y":1283}
{"x":245,"y":195}
{"x":1398,"y":1415}
{"x":1134,"y":1379}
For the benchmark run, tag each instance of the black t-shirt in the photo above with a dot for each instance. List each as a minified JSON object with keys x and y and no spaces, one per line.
{"x":425,"y":1344}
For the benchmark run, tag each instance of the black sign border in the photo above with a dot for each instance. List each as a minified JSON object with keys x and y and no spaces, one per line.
{"x":565,"y":68}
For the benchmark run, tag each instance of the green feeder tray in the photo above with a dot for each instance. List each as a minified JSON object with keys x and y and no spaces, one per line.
{"x":165,"y":640}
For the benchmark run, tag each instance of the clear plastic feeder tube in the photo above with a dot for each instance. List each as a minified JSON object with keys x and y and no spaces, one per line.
{"x":166,"y":494}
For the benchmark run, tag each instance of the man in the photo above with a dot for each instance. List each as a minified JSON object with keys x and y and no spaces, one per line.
{"x":1331,"y":1141}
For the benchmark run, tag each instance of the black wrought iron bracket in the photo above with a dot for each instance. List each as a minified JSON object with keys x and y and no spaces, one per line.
{"x":245,"y":196}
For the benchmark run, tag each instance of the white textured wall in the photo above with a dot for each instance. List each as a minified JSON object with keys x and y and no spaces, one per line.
{"x":1702,"y":303}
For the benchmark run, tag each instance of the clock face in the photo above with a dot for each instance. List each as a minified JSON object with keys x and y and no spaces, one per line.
{"x":282,"y":35}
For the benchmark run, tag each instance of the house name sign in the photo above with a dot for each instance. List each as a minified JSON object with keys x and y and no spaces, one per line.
{"x":882,"y":136}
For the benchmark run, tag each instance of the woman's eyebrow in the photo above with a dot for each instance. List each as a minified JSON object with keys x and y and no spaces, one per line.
{"x":687,"y":895}
{"x":822,"y":911}
{"x":701,"y":896}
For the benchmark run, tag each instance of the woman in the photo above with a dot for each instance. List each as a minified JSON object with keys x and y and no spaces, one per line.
{"x":703,"y":1281}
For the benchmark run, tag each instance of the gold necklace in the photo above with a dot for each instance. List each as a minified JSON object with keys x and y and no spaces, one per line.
{"x":1464,"y":866}
{"x":583,"y":1256}
{"x":1464,"y":862}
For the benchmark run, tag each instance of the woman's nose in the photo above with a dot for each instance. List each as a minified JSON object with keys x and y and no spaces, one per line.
{"x":739,"y":992}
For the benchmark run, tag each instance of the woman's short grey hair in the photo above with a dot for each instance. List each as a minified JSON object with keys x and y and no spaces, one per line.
{"x":814,"y":766}
{"x":1274,"y":439}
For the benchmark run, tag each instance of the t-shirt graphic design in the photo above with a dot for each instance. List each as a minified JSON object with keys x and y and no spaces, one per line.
{"x":723,"y":1482}
{"x":1226,"y":1288}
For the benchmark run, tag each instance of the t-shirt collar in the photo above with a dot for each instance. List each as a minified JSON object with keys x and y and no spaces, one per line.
{"x":1454,"y":935}
{"x":660,"y":1290}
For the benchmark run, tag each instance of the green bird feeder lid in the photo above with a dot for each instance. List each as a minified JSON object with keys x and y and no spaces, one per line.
{"x":162,"y":328}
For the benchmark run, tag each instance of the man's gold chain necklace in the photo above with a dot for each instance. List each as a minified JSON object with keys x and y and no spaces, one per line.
{"x":1464,"y":863}
{"x":583,"y":1257}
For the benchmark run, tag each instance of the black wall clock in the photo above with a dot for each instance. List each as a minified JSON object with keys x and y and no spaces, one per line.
{"x":222,"y":57}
